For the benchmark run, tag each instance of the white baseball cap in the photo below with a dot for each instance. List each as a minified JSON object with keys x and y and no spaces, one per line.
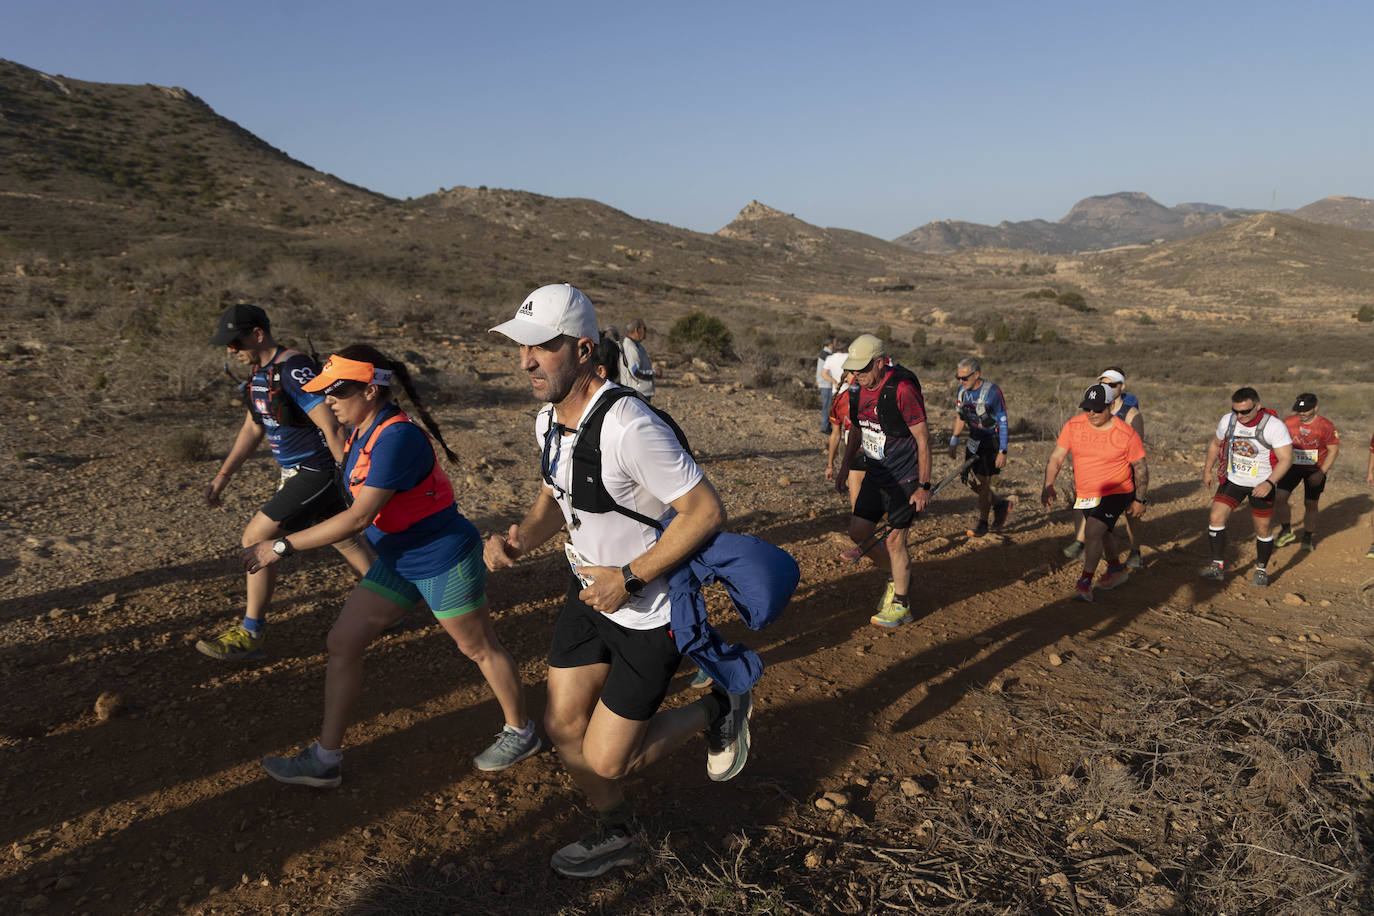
{"x":1112,"y":375}
{"x":550,"y":311}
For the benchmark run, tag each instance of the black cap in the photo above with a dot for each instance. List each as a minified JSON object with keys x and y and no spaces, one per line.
{"x":1097,"y":397}
{"x":1305,"y":402}
{"x":238,"y":320}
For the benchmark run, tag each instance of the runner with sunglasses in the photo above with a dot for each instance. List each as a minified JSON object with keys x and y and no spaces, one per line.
{"x":1110,"y":479}
{"x":1127,"y":407}
{"x":1252,"y":450}
{"x":979,"y":405}
{"x":426,"y":550}
{"x":307,"y":444}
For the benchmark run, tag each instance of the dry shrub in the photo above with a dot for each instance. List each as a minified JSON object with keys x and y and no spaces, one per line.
{"x":188,"y":446}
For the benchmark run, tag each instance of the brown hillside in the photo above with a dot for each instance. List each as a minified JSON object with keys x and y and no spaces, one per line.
{"x":1351,"y":212}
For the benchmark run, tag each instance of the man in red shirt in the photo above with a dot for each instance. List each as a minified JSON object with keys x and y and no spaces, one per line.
{"x":889,"y":424}
{"x":1110,"y":477}
{"x":1315,"y":446}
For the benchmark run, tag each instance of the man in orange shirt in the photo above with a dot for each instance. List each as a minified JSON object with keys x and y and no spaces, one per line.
{"x":1315,"y":446}
{"x":1110,"y":477}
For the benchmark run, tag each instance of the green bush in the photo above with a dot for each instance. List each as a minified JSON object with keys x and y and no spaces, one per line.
{"x":1074,"y":301}
{"x":700,"y":334}
{"x":884,"y":333}
{"x":918,"y":337}
{"x":1043,"y":293}
{"x":1365,"y":314}
{"x":1049,"y":337}
{"x":980,"y":333}
{"x":1026,"y":333}
{"x":1002,"y":333}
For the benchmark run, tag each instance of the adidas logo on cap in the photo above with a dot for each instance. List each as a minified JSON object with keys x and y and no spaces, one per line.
{"x":527,"y":308}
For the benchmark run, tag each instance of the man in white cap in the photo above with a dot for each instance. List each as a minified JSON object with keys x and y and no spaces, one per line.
{"x":889,"y":415}
{"x":613,"y":655}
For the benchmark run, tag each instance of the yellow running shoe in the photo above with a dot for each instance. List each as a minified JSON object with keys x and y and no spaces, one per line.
{"x":235,"y":644}
{"x":894,"y":616}
{"x":885,"y":603}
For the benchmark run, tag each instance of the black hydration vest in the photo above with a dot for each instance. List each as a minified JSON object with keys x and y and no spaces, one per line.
{"x":281,"y":407}
{"x":889,"y":415}
{"x":589,"y":494}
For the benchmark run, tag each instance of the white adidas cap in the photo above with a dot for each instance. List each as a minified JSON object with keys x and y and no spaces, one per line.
{"x":550,"y":311}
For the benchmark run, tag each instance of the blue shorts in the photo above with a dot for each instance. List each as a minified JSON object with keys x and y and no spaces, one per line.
{"x":459,"y":590}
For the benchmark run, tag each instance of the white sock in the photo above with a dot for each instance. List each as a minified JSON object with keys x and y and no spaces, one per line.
{"x":523,"y":732}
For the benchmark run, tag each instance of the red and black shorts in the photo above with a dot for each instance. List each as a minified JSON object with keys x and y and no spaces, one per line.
{"x":1304,"y":473}
{"x":642,"y":662}
{"x":1233,"y":494}
{"x":1109,"y":508}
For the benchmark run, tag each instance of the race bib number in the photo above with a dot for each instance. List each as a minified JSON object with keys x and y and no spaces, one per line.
{"x":1244,"y":468}
{"x":1087,"y":502}
{"x":575,"y":560}
{"x":873,"y":442}
{"x":1304,"y":456}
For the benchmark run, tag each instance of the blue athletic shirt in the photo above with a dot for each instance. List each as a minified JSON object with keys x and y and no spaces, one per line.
{"x":967,"y":404}
{"x":292,"y":446}
{"x":401,"y":460}
{"x":1127,"y":402}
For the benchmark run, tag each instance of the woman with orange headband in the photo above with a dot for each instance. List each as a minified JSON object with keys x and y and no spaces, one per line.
{"x":426,"y":549}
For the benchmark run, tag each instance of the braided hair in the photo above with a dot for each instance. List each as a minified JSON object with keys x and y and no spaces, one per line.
{"x":368,"y":354}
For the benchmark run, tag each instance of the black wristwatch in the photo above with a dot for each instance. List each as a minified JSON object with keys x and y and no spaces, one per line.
{"x":1142,"y":500}
{"x":924,"y":486}
{"x":282,"y":547}
{"x":633,"y":584}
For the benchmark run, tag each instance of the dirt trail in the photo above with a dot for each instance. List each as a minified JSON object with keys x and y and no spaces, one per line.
{"x":116,"y":568}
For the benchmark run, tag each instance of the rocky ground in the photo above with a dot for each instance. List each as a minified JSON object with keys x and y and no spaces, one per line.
{"x":129,"y":775}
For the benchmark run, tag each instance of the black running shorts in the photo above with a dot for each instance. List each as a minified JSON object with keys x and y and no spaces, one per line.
{"x":642,"y":662}
{"x":305,"y":497}
{"x":875,"y":501}
{"x":1110,"y":508}
{"x":986,"y":464}
{"x":1304,"y":473}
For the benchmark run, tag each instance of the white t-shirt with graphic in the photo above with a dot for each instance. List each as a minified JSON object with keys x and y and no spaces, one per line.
{"x":1248,"y":458}
{"x":644,"y":468}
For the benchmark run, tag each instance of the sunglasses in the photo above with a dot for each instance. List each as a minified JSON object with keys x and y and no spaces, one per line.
{"x":1247,"y":411}
{"x":963,"y":378}
{"x":1111,"y":384}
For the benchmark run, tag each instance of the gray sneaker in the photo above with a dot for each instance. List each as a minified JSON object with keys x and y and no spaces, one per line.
{"x":727,"y":739}
{"x":610,"y":847}
{"x":1134,"y":561}
{"x":1213,"y":572}
{"x":701,"y":681}
{"x":1073,"y":550}
{"x":507,"y":750}
{"x":304,"y":769}
{"x":1260,"y":578}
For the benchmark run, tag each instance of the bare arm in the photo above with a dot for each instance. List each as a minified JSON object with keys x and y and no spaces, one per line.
{"x":700,"y":514}
{"x":920,"y":432}
{"x":1052,"y":469}
{"x":851,"y":448}
{"x":1213,"y":455}
{"x":1285,"y":455}
{"x":250,"y":436}
{"x":334,"y":436}
{"x":542,"y":522}
{"x":366,"y":505}
{"x":1331,"y":451}
{"x":1141,"y":472}
{"x":1136,"y":421}
{"x":830,"y":449}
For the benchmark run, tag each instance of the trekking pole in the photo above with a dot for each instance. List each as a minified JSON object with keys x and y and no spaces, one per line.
{"x":856,"y":553}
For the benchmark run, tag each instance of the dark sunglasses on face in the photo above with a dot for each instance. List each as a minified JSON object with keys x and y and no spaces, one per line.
{"x":1241,"y":413}
{"x":1111,"y":384}
{"x":964,"y":378}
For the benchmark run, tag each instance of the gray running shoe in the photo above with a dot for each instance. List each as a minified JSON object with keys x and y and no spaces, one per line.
{"x":1134,"y":561}
{"x":304,"y":769}
{"x":610,"y":847}
{"x":1213,"y":572}
{"x":1073,"y":550}
{"x":507,"y":750}
{"x":1260,"y":578}
{"x":701,"y":680}
{"x":727,"y":739}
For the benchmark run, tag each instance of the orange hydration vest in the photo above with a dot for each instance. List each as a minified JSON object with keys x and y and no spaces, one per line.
{"x":406,"y":507}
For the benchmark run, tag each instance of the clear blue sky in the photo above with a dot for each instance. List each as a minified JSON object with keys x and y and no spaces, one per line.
{"x":871,"y":116}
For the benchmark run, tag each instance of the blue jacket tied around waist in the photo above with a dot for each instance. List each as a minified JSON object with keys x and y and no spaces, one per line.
{"x":759,"y":579}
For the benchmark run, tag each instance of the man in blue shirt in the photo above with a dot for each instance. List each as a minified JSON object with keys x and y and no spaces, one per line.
{"x":981,"y":408}
{"x":306,"y":442}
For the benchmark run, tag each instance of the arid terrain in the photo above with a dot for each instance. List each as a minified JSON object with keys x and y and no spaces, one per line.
{"x":1173,"y":747}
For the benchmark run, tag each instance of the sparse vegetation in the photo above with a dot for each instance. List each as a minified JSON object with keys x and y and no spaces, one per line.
{"x":1075,"y":301}
{"x":1365,"y":314}
{"x":188,"y":446}
{"x":700,"y":334}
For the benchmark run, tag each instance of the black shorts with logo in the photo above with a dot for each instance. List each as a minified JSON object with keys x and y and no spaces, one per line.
{"x":305,"y":497}
{"x":1109,"y":508}
{"x":642,"y":662}
{"x":1233,"y":494}
{"x":1304,"y":473}
{"x":985,"y":459}
{"x":874,"y":501}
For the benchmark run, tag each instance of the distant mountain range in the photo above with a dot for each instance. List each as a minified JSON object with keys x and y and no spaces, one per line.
{"x":1112,"y":220}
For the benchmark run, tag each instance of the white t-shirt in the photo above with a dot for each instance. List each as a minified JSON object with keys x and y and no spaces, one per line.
{"x":633,"y":357}
{"x":644,"y":468}
{"x":1248,"y":459}
{"x":834,"y":364}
